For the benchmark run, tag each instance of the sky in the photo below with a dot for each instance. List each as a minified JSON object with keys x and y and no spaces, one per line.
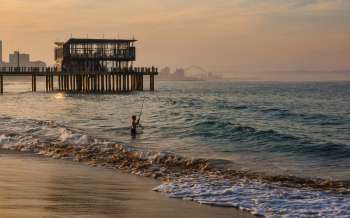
{"x":219,"y":35}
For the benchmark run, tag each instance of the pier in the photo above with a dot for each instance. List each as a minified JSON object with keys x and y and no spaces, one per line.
{"x":116,"y":81}
{"x":89,"y":66}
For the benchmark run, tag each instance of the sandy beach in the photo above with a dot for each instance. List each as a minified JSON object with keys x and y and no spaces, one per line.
{"x":36,"y":186}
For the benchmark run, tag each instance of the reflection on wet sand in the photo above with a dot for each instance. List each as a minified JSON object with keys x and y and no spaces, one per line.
{"x":33,"y":186}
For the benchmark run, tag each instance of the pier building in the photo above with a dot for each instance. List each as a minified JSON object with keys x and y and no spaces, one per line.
{"x":90,"y":66}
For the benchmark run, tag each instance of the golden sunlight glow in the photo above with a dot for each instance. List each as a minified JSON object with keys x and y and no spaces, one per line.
{"x":59,"y":96}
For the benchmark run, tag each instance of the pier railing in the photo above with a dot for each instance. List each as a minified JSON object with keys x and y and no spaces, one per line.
{"x":42,"y":71}
{"x":27,"y":70}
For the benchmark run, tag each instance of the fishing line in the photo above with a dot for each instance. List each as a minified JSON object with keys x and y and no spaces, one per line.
{"x":143,"y":103}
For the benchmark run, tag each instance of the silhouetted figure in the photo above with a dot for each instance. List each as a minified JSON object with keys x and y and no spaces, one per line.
{"x":135,"y":123}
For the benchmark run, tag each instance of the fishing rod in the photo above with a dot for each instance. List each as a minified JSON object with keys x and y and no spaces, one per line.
{"x":143,"y":103}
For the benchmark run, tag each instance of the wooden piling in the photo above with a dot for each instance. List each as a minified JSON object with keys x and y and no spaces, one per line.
{"x":83,"y":81}
{"x":47,"y":83}
{"x":64,"y":84}
{"x":128,"y":82}
{"x":78,"y":89}
{"x":74,"y":82}
{"x":151,"y":82}
{"x":33,"y":83}
{"x":97,"y":83}
{"x":136,"y":82}
{"x":70,"y":82}
{"x":49,"y":78}
{"x":141,"y":80}
{"x":67,"y":83}
{"x":102,"y":83}
{"x":59,"y":82}
{"x":131,"y":82}
{"x":124,"y":83}
{"x":52,"y":83}
{"x":90,"y":82}
{"x":119,"y":82}
{"x":113,"y":83}
{"x":109,"y":83}
{"x":108,"y":77}
{"x":1,"y":84}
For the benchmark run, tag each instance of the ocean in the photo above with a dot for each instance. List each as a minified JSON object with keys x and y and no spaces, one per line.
{"x":298,"y":129}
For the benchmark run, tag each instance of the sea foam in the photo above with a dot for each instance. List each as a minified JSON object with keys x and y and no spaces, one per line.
{"x":257,"y":197}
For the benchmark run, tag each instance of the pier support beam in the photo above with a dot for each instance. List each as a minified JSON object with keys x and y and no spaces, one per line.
{"x":151,"y":83}
{"x":124,"y":83}
{"x":99,"y":82}
{"x":102,"y":83}
{"x":128,"y":82}
{"x":141,"y":78}
{"x":1,"y":84}
{"x":49,"y":83}
{"x":95,"y":84}
{"x":132,"y":82}
{"x":59,"y":82}
{"x":52,"y":83}
{"x":33,"y":83}
{"x":137,"y":83}
{"x":46,"y":83}
{"x":71,"y":83}
{"x":108,"y":77}
{"x":119,"y":82}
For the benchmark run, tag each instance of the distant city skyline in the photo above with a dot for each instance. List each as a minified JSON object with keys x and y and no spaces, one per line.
{"x":228,"y":36}
{"x":181,"y":74}
{"x":17,"y":58}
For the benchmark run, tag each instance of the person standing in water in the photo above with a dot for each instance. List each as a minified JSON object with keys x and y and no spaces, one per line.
{"x":134,"y":125}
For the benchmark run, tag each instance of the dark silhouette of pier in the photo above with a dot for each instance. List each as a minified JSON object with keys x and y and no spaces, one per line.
{"x":89,"y":66}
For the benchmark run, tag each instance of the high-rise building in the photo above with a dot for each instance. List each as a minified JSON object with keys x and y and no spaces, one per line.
{"x":165,"y":74}
{"x":179,"y":74}
{"x":19,"y":59}
{"x":0,"y":51}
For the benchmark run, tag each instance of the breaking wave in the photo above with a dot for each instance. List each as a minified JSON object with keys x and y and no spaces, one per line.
{"x":257,"y":197}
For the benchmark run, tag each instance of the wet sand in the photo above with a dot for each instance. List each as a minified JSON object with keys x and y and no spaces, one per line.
{"x":33,"y":186}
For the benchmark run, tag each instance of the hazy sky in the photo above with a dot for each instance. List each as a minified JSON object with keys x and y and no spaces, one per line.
{"x":243,"y":35}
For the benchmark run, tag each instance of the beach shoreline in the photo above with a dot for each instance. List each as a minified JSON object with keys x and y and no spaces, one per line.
{"x":186,"y":179}
{"x":37,"y":186}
